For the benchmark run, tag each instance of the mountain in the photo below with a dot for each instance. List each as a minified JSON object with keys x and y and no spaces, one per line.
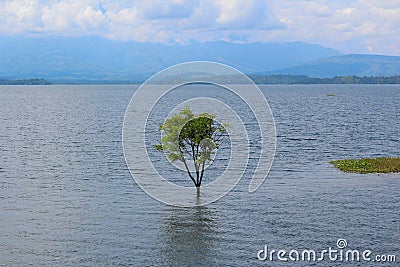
{"x":346,"y":65}
{"x":93,"y":58}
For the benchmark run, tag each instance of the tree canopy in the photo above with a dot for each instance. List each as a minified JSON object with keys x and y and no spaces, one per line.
{"x":192,"y":139}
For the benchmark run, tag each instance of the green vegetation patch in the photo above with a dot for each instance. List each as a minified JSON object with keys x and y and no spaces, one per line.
{"x":368,"y":165}
{"x":24,"y":82}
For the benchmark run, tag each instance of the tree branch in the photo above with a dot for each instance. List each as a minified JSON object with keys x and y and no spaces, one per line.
{"x":187,"y":168}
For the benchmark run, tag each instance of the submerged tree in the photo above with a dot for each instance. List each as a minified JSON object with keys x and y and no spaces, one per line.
{"x":192,"y":139}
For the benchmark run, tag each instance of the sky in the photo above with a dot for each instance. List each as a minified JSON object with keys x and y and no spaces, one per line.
{"x":349,"y":26}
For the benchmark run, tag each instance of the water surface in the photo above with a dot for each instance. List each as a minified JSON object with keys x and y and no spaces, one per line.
{"x":67,"y":197}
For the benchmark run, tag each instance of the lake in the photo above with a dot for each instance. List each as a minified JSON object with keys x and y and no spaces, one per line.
{"x":67,"y":197}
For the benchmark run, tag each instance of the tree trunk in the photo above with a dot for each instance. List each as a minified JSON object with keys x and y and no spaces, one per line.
{"x":202,"y":172}
{"x":188,"y":171}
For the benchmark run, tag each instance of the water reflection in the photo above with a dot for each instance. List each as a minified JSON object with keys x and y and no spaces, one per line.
{"x":188,"y":237}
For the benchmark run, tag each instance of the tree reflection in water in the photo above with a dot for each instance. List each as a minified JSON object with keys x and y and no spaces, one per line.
{"x":189,"y":237}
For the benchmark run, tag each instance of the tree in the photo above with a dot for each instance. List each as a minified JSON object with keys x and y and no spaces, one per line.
{"x":192,"y":139}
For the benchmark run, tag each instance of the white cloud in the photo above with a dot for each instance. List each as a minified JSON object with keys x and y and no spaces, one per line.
{"x":164,"y":9}
{"x":124,"y":16}
{"x":18,"y":16}
{"x":91,"y":19}
{"x":350,"y":26}
{"x":73,"y":17}
{"x":357,"y":26}
{"x":240,"y":13}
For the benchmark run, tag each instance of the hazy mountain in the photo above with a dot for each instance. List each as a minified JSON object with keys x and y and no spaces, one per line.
{"x":359,"y":65}
{"x":95,"y":58}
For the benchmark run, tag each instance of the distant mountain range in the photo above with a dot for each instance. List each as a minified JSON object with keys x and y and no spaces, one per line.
{"x":346,"y":65}
{"x":87,"y":59}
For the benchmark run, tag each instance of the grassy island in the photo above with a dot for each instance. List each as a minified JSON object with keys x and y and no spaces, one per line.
{"x":368,"y":165}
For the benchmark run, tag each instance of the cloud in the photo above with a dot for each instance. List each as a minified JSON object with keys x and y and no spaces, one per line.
{"x":360,"y":26}
{"x":73,"y":17}
{"x":20,"y":16}
{"x":240,"y":14}
{"x":161,"y":9}
{"x":356,"y":26}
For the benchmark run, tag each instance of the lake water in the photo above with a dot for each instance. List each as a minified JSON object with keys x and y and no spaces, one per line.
{"x":67,"y":197}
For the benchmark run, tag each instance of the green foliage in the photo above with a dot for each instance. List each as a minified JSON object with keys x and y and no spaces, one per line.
{"x":303,"y":79}
{"x":24,"y":82}
{"x":368,"y":165}
{"x":192,"y":138}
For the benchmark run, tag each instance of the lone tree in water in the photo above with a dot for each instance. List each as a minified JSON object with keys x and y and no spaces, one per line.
{"x":192,"y":139}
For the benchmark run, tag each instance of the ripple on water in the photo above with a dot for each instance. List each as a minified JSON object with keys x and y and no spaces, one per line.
{"x":67,"y":197}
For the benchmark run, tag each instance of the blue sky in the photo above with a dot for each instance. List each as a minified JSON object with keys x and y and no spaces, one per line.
{"x":353,"y":26}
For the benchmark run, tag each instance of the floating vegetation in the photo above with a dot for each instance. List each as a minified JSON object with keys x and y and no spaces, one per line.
{"x":368,"y":165}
